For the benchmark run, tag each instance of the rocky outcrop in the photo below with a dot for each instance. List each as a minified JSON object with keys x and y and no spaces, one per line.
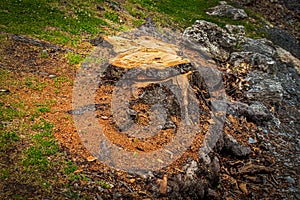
{"x":212,"y":39}
{"x":227,"y":10}
{"x":271,"y":93}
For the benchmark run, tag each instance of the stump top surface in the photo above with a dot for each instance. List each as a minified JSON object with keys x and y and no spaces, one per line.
{"x":144,"y":52}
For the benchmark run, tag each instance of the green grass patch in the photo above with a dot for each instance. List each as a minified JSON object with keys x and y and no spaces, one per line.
{"x":74,"y":58}
{"x":7,"y":139}
{"x":50,"y":19}
{"x":34,"y":83}
{"x":37,"y":156}
{"x":112,"y":16}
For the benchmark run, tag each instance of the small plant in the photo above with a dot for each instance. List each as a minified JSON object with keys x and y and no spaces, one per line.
{"x":43,"y":109}
{"x":74,"y":59}
{"x":112,"y":16}
{"x":35,"y":84}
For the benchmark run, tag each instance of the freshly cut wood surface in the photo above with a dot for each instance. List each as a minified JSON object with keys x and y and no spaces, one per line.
{"x":144,"y":52}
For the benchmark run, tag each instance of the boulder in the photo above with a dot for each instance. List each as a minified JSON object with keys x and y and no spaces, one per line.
{"x":227,"y":10}
{"x":264,"y":88}
{"x":262,"y":46}
{"x":257,"y":60}
{"x":235,"y":29}
{"x":212,"y":39}
{"x":284,"y":40}
{"x":256,"y":112}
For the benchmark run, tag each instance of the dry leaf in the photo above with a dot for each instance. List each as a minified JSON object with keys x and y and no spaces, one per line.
{"x":78,"y":171}
{"x":243,"y":187}
{"x":211,"y":121}
{"x":132,"y":180}
{"x":163,"y":183}
{"x":91,"y":158}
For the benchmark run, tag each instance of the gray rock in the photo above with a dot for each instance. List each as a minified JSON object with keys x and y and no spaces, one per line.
{"x":251,"y":140}
{"x":212,"y":39}
{"x":235,"y":29}
{"x":262,"y":46}
{"x":234,"y":148}
{"x":259,"y":61}
{"x":285,"y":40}
{"x":290,"y":180}
{"x":96,"y":41}
{"x":264,"y":88}
{"x":256,"y":112}
{"x":227,"y":10}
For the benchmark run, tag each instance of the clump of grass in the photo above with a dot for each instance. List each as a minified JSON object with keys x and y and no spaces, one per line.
{"x":74,"y":59}
{"x":34,"y":83}
{"x":112,"y":16}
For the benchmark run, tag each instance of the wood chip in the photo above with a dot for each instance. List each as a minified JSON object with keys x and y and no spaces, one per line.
{"x":163,"y":183}
{"x":91,"y":158}
{"x":243,"y":188}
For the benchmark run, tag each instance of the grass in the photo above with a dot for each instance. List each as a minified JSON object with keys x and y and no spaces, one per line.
{"x":35,"y":84}
{"x":51,"y":20}
{"x":74,"y":59}
{"x":72,"y":21}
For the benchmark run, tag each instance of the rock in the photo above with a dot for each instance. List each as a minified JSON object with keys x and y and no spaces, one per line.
{"x":284,"y":40}
{"x":235,"y":29}
{"x":251,"y":140}
{"x":212,"y":39}
{"x":256,"y":112}
{"x":234,"y":148}
{"x":261,"y":46}
{"x":264,"y":89}
{"x":212,"y":194}
{"x":290,"y":180}
{"x":100,"y":8}
{"x":261,"y":62}
{"x":96,"y":41}
{"x":227,"y":10}
{"x":287,"y":57}
{"x":52,"y":76}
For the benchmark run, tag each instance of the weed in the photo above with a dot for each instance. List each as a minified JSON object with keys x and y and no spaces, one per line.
{"x":34,"y":83}
{"x":58,"y":81}
{"x":70,"y":168}
{"x":43,"y":109}
{"x":103,"y":184}
{"x":112,"y":16}
{"x":74,"y":58}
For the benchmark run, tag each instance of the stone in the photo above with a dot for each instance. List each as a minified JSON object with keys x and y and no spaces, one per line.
{"x":235,"y":29}
{"x":264,"y":88}
{"x":96,"y":41}
{"x":227,"y":10}
{"x":284,"y":40}
{"x":286,"y":57}
{"x":256,"y":112}
{"x":261,"y":46}
{"x":257,"y":60}
{"x":251,"y":140}
{"x":234,"y":148}
{"x":290,"y":180}
{"x":211,"y":39}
